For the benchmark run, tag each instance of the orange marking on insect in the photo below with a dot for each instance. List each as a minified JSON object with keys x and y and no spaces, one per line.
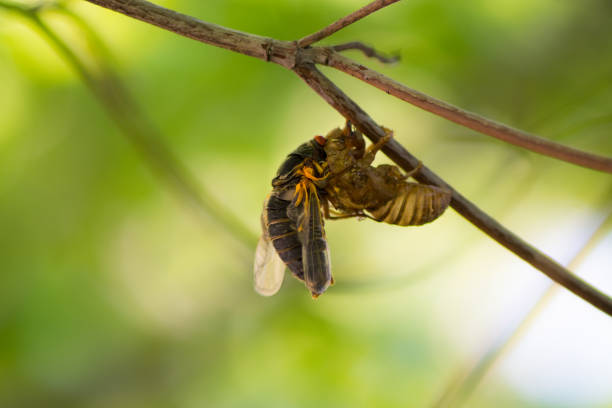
{"x":308,"y":172}
{"x":320,"y":140}
{"x":300,"y":193}
{"x":321,"y":168}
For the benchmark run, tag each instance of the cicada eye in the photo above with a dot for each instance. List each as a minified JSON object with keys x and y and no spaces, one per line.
{"x":320,"y":140}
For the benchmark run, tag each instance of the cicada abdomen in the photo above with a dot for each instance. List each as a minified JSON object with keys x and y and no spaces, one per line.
{"x":282,"y":232}
{"x":414,"y":204}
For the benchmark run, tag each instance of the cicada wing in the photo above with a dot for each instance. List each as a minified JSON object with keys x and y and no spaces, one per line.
{"x":269,"y":269}
{"x":315,"y":252}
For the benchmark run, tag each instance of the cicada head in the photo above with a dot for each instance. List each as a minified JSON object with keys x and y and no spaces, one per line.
{"x":344,"y":146}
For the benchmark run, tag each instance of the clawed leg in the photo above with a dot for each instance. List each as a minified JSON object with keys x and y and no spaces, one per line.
{"x":415,"y":170}
{"x":345,"y":216}
{"x":336,"y":215}
{"x":333,"y":214}
{"x":307,"y":171}
{"x":371,"y":151}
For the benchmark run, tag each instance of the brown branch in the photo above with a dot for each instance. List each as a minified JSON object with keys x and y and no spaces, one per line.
{"x":301,"y":61}
{"x":263,"y":48}
{"x":350,"y":110}
{"x":288,"y":55}
{"x":369,"y":52}
{"x":343,"y":22}
{"x":468,"y":119}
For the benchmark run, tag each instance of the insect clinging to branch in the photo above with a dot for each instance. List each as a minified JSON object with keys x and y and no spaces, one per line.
{"x":355,"y":188}
{"x":335,"y":170}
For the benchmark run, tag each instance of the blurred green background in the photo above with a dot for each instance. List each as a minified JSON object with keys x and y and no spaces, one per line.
{"x":117,"y":291}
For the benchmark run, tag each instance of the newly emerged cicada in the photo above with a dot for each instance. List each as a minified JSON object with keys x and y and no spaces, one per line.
{"x":292,"y":224}
{"x":355,"y":188}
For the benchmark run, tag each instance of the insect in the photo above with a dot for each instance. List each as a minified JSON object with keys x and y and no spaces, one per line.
{"x":355,"y":188}
{"x":334,"y":169}
{"x":292,"y":224}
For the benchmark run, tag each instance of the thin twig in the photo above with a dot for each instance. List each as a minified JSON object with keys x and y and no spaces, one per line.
{"x":457,"y":392}
{"x":304,"y":67}
{"x":120,"y":105}
{"x":343,"y":22}
{"x":263,"y":48}
{"x":288,"y":55}
{"x":369,"y":52}
{"x":468,"y":119}
{"x":350,"y":110}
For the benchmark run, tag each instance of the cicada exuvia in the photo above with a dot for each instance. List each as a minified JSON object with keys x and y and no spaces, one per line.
{"x":355,"y":188}
{"x":293,"y":231}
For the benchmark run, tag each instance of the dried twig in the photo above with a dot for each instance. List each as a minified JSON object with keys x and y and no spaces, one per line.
{"x":468,"y":119}
{"x":368,"y":51}
{"x":288,"y":55}
{"x":343,"y":22}
{"x":302,"y":62}
{"x":263,"y":48}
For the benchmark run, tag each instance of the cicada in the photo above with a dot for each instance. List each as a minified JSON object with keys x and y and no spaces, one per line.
{"x":334,"y":169}
{"x":355,"y":188}
{"x":293,"y":232}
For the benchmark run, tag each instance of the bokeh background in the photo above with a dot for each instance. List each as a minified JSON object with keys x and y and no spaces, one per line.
{"x":118,"y":290}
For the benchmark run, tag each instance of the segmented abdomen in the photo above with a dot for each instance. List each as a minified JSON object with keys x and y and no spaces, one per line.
{"x":283,"y":234}
{"x":415,"y":204}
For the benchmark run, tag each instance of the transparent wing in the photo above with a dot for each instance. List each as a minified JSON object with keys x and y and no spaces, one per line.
{"x":269,"y":268}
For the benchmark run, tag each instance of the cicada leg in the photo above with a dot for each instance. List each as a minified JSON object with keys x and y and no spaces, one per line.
{"x":371,"y":151}
{"x":414,"y":171}
{"x":333,"y":215}
{"x":321,"y":168}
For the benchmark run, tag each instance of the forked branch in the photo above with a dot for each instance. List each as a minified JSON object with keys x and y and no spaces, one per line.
{"x":367,"y":51}
{"x":289,"y":55}
{"x":302,"y":62}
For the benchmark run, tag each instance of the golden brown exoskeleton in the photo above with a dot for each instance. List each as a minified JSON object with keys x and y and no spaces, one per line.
{"x":355,"y":188}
